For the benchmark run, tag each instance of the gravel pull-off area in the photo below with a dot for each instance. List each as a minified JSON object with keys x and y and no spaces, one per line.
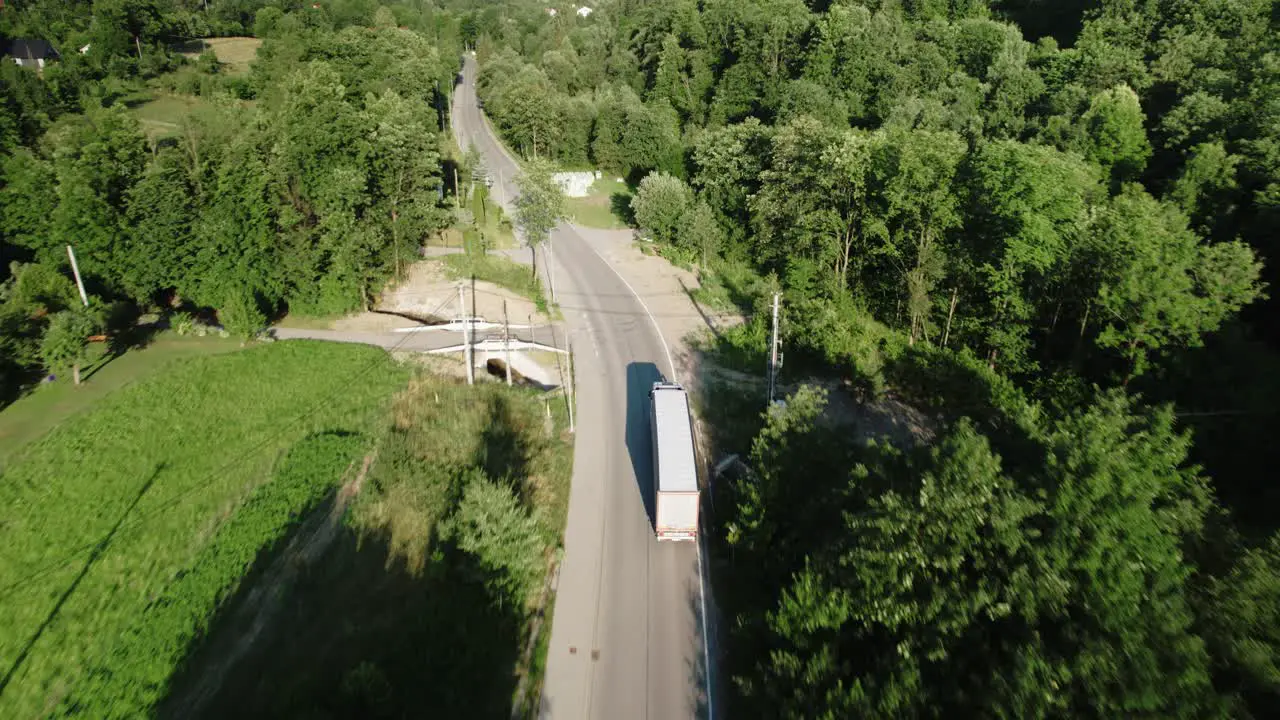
{"x":428,"y":291}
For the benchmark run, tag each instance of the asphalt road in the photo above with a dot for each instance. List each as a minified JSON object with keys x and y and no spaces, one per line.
{"x":627,"y":633}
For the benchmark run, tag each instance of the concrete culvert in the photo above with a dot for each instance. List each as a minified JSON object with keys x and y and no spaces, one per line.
{"x":498,"y":369}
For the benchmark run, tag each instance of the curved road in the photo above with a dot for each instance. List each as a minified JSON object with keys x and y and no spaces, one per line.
{"x":627,"y":635}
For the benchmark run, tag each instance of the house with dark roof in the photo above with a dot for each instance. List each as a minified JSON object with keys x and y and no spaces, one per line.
{"x":30,"y":52}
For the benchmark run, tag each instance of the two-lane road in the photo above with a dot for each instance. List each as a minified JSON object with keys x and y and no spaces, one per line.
{"x":627,"y":635}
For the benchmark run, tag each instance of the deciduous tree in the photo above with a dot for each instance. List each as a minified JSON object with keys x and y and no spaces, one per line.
{"x":660,"y":204}
{"x":539,"y":207}
{"x":66,"y":341}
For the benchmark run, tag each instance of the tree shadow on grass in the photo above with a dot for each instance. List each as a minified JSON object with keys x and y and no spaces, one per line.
{"x":123,"y":334}
{"x":94,"y":554}
{"x":364,"y":636}
{"x":620,"y":204}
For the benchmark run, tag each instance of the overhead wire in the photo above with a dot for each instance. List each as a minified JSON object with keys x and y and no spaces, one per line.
{"x":136,"y":522}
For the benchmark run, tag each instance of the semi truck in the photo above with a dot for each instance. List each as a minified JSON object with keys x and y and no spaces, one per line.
{"x":675,"y":469}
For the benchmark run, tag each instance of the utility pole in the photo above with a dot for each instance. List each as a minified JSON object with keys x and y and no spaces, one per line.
{"x":773,"y":351}
{"x":551,"y":268}
{"x":572,"y":397}
{"x":466,"y":334}
{"x":76,"y":270}
{"x":506,"y":339}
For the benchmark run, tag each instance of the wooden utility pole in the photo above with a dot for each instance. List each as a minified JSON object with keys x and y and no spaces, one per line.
{"x":551,"y":269}
{"x":75,"y":269}
{"x":773,"y":351}
{"x":466,"y":334}
{"x":506,"y":339}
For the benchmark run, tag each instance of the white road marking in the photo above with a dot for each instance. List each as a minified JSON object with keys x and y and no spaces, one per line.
{"x":665,"y":348}
{"x":702,"y":592}
{"x":706,"y":655}
{"x":706,"y":651}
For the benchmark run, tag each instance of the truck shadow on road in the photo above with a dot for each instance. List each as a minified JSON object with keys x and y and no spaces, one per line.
{"x":640,"y":379}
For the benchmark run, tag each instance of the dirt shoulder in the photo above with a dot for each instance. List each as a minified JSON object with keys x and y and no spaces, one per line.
{"x":425,"y":295}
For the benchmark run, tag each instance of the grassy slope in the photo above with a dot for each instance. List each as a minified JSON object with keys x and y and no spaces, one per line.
{"x":499,"y":271}
{"x":104,"y":513}
{"x":396,"y":621}
{"x":49,"y":405}
{"x":162,"y":116}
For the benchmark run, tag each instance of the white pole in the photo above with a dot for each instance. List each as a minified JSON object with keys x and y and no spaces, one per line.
{"x":76,"y":270}
{"x":466,"y":334}
{"x":506,"y":339}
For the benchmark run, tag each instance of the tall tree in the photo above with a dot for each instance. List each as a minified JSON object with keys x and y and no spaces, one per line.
{"x":406,"y":169}
{"x":700,"y":232}
{"x":161,"y":249}
{"x":950,"y":581}
{"x":97,"y":160}
{"x":1157,"y":286}
{"x":1029,"y":207}
{"x":27,"y":202}
{"x":66,"y":341}
{"x":1111,"y":133}
{"x":539,"y":207}
{"x":914,"y":173}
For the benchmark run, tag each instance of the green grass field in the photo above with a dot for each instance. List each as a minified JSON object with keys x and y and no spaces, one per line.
{"x":124,"y":525}
{"x":49,"y":405}
{"x":235,"y":53}
{"x":605,"y":207}
{"x":163,"y":115}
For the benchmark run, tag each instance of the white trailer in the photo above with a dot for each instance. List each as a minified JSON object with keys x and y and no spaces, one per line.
{"x":675,"y":469}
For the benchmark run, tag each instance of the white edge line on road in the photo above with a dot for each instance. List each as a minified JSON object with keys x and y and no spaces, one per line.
{"x":702,"y":592}
{"x":665,"y":348}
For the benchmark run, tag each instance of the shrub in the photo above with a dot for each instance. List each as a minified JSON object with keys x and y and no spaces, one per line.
{"x":182,"y":323}
{"x":505,"y":539}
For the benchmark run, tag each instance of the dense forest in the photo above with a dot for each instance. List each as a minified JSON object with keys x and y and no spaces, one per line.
{"x":301,"y":185}
{"x":1052,"y":226}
